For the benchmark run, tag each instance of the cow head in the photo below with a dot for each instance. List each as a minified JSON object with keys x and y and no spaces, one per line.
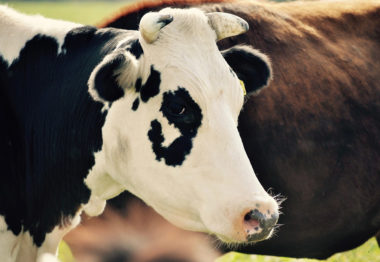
{"x":170,"y":135}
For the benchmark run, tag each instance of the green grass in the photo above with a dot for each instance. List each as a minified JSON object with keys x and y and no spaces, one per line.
{"x":94,"y":12}
{"x":64,"y":253}
{"x":368,"y":252}
{"x":80,"y":12}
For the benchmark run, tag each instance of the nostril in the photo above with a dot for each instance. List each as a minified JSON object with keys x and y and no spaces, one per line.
{"x":254,"y":219}
{"x":255,"y":214}
{"x":251,"y":223}
{"x":258,"y":226}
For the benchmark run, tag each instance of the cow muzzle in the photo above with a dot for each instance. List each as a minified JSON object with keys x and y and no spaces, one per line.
{"x":259,"y":225}
{"x":251,"y":221}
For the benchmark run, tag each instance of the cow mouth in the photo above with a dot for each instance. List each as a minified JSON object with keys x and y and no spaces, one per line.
{"x":263,"y":235}
{"x":249,"y":240}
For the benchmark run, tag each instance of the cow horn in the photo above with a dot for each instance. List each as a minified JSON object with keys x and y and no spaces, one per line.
{"x":226,"y":25}
{"x":151,"y":24}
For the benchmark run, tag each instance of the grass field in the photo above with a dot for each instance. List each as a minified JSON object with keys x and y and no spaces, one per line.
{"x":93,"y":12}
{"x":76,"y":11}
{"x":368,"y":252}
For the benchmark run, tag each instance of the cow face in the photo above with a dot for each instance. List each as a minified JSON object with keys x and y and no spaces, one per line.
{"x":171,"y":135}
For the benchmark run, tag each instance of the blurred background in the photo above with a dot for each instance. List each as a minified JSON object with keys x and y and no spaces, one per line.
{"x":129,"y":230}
{"x":80,"y":11}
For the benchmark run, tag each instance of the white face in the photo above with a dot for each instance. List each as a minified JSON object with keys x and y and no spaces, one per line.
{"x":172,"y":139}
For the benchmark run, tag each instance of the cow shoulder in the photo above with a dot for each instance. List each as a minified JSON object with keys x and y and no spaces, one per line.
{"x":53,"y":127}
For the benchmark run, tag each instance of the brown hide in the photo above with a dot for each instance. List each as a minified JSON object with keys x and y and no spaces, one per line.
{"x":313,"y":134}
{"x":129,"y":16}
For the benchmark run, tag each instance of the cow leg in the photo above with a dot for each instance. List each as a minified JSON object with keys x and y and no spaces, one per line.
{"x":48,"y":250}
{"x":378,"y":238}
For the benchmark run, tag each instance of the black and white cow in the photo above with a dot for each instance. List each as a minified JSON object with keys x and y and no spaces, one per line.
{"x":87,"y":113}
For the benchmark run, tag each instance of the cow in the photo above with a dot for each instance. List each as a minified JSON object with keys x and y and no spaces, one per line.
{"x":312,"y":135}
{"x":89,"y":113}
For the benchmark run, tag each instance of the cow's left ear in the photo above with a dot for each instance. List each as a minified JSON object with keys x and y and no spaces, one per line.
{"x":111,"y":77}
{"x":251,"y":67}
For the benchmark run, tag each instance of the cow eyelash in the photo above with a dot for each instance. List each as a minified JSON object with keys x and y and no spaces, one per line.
{"x":176,"y":109}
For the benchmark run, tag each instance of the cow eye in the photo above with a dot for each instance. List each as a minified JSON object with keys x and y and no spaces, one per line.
{"x":176,"y":109}
{"x":180,"y":109}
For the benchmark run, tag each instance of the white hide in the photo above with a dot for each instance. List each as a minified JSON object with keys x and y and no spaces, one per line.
{"x":21,"y":248}
{"x":215,"y":185}
{"x":8,"y":243}
{"x":17,"y":28}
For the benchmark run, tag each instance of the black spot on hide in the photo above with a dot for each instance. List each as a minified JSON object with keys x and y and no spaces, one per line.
{"x":138,"y":85}
{"x":135,"y":104}
{"x":152,"y":86}
{"x":176,"y":152}
{"x":135,"y":48}
{"x":187,"y":122}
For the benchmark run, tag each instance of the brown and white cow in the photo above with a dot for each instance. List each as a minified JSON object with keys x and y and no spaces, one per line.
{"x":313,"y":134}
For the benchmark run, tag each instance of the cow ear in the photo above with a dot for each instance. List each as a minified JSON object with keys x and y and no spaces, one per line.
{"x":251,"y":67}
{"x":111,"y":77}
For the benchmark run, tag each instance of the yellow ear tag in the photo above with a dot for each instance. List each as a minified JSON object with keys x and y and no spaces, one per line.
{"x":243,"y":87}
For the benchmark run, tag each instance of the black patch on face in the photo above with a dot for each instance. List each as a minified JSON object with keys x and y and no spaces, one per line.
{"x":138,"y":85}
{"x":152,"y":86}
{"x":181,"y":111}
{"x":135,"y":48}
{"x":51,"y":128}
{"x":135,"y":104}
{"x":105,"y":81}
{"x":189,"y":121}
{"x":176,"y":152}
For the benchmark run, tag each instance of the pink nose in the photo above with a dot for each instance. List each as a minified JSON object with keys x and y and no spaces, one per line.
{"x":258,"y":225}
